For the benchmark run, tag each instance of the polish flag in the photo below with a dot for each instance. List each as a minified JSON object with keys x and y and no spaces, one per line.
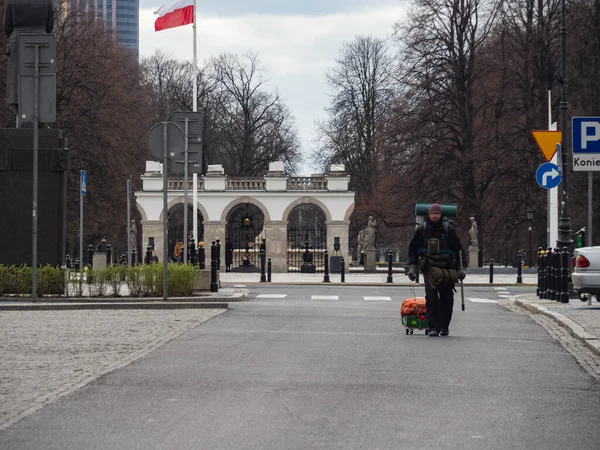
{"x":174,"y":14}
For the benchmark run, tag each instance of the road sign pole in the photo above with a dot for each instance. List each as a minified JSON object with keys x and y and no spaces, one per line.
{"x":129,"y":221}
{"x":81,"y":227}
{"x":590,"y":209}
{"x":185,"y":188}
{"x":165,"y":211}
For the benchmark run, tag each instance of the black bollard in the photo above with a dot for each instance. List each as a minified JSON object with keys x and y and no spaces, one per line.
{"x":547,"y":272}
{"x":214,"y":285}
{"x":553,"y":272}
{"x":192,"y":253}
{"x":218,"y":254}
{"x":108,"y":255}
{"x":539,"y":263}
{"x":326,"y":275}
{"x":67,"y":261}
{"x":343,"y":270}
{"x":542,"y":273}
{"x":390,"y":257}
{"x":564,"y":298}
{"x":148,"y":259}
{"x":269,"y":271}
{"x":263,"y":277}
{"x":134,"y":257}
{"x":90,"y":255}
{"x":491,"y":271}
{"x":202,"y":256}
{"x":519,"y":268}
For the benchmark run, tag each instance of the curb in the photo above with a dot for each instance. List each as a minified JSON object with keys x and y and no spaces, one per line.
{"x":351,"y":283}
{"x":111,"y":305}
{"x":576,"y":330}
{"x":236,"y":297}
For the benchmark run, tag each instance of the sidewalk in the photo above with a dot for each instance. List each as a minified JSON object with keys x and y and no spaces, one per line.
{"x":367,"y":279}
{"x":581,"y":320}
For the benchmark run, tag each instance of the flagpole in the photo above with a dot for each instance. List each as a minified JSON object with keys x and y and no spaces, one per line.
{"x":195,"y":109}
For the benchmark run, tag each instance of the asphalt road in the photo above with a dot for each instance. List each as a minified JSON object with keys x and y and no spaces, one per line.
{"x":287,"y":370}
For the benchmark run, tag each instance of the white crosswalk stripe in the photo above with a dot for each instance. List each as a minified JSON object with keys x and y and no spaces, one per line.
{"x":378,"y":299}
{"x":482,"y":300}
{"x":325,"y":297}
{"x":271,"y":296}
{"x":239,"y":285}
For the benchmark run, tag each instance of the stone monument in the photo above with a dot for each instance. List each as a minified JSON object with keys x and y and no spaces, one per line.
{"x":473,"y":244}
{"x":369,"y":245}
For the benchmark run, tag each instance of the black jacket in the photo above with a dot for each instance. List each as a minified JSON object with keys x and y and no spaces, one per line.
{"x":449,"y":241}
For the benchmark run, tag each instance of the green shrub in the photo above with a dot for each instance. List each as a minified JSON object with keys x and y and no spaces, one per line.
{"x":18,"y":280}
{"x":3,"y":275}
{"x":97,"y":282}
{"x":50,"y":281}
{"x":114,"y":277}
{"x":135,"y":281}
{"x":181,"y":280}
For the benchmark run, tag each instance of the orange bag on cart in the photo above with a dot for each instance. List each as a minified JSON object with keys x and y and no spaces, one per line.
{"x":413,"y":307}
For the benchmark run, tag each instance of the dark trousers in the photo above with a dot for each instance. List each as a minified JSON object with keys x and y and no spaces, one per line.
{"x":439,"y":303}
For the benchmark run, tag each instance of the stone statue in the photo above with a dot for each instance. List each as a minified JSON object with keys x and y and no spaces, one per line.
{"x":133,"y":235}
{"x":473,"y":235}
{"x":370,"y":234}
{"x":23,"y":17}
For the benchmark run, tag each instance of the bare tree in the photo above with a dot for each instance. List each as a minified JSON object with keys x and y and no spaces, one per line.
{"x":362,"y":90}
{"x":251,"y":126}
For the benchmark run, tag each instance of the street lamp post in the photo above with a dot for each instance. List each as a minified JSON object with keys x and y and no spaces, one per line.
{"x":564,"y":221}
{"x":530,"y":213}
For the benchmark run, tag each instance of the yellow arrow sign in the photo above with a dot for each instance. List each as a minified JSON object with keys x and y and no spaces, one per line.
{"x":546,"y":141}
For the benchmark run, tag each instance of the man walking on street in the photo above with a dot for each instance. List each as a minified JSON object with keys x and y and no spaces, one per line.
{"x":435,"y":247}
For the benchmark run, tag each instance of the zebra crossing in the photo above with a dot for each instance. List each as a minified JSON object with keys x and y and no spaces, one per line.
{"x":368,"y":298}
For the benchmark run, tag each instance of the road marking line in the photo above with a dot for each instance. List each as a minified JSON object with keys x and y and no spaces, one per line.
{"x":499,"y":288}
{"x":504,"y":295}
{"x":271,"y":296}
{"x":325,"y":297}
{"x":375,"y":299}
{"x":239,"y":285}
{"x":482,"y":300}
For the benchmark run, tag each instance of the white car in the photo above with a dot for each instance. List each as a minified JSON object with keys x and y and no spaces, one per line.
{"x":586,"y":271}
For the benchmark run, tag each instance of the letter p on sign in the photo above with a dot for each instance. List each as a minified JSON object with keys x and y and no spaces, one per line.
{"x":590,"y":132}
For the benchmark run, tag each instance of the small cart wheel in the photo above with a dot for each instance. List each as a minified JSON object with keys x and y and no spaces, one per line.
{"x":411,"y":331}
{"x":407,"y":331}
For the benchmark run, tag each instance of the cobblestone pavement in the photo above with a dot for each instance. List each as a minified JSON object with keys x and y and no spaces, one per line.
{"x":45,"y":355}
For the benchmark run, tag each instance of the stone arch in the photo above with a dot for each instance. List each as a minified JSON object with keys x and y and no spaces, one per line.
{"x":179,"y":200}
{"x":142,"y":211}
{"x":349,"y":212}
{"x":304,"y":200}
{"x":242,"y":201}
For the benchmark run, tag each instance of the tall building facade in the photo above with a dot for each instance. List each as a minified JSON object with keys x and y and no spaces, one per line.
{"x":120,"y":16}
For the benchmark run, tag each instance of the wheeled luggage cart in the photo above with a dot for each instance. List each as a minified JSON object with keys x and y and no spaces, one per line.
{"x":413,"y":315}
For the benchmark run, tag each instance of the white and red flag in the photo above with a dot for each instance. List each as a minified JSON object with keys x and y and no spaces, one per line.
{"x":173,"y":14}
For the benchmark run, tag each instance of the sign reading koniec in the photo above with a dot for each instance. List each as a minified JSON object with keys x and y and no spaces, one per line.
{"x":586,"y":143}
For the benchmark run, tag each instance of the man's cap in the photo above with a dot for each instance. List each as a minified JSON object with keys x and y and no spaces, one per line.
{"x":434,"y":207}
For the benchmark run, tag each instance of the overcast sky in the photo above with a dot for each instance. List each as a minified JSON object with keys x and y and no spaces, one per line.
{"x":296,"y":42}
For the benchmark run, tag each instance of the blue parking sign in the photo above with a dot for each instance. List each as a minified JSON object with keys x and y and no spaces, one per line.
{"x":586,"y":143}
{"x":83,"y":182}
